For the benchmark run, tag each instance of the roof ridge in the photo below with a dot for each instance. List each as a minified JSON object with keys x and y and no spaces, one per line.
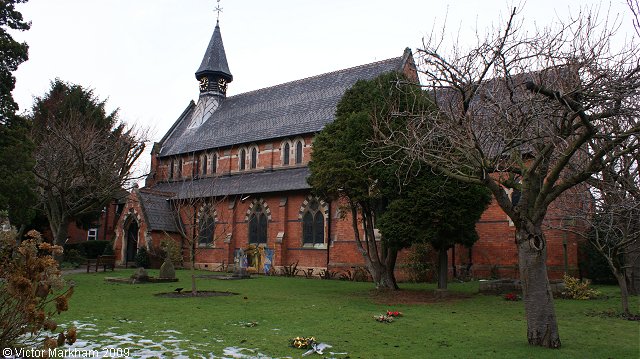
{"x":317,"y":76}
{"x":150,"y":190}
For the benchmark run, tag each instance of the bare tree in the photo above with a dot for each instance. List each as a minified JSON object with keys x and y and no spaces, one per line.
{"x":83,"y":154}
{"x":538,"y":112}
{"x":80,"y":167}
{"x":195,"y":204}
{"x":635,"y":11}
{"x":608,"y":215}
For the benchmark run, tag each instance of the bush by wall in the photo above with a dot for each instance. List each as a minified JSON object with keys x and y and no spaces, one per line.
{"x":142,"y":258}
{"x":421,"y":263}
{"x":88,"y":249}
{"x":594,"y":266}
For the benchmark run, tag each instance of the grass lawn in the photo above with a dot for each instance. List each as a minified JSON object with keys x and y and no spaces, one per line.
{"x":335,"y":312}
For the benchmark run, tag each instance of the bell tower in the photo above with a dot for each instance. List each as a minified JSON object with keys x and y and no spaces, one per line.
{"x":213,"y":75}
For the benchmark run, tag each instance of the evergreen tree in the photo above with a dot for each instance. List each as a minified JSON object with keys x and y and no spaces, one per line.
{"x":17,"y":186}
{"x":84,"y":156}
{"x":419,"y":207}
{"x":437,"y":210}
{"x":16,"y":161}
{"x":340,"y":171}
{"x":12,"y":54}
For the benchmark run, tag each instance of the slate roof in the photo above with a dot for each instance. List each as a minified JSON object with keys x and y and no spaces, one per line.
{"x":293,"y":108}
{"x":239,"y":184}
{"x":157,"y":210}
{"x":215,"y":59}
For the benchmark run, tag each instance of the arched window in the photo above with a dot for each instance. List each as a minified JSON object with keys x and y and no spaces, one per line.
{"x":254,"y":158}
{"x":214,"y":163}
{"x":285,"y":154}
{"x":298,"y":152}
{"x":204,"y":165}
{"x":196,"y":166}
{"x":206,"y":230}
{"x":258,"y":225}
{"x":243,"y":158}
{"x":313,"y":224}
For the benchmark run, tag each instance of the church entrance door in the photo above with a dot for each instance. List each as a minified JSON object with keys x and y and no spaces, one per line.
{"x":132,"y":242}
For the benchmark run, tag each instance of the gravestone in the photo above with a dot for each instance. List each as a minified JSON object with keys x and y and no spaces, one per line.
{"x":167,"y":271}
{"x":240,"y":264}
{"x":140,"y":275}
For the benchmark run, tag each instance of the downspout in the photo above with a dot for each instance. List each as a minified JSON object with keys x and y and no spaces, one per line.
{"x":106,"y":221}
{"x":453,"y":261}
{"x":565,"y":254}
{"x":328,"y":233}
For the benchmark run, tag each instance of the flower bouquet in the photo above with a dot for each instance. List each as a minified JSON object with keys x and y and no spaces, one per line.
{"x":309,"y":343}
{"x":513,"y":297}
{"x":383,"y":318}
{"x":302,"y":342}
{"x":394,"y":313}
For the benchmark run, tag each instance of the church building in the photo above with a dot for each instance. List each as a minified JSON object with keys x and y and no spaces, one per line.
{"x":230,"y":175}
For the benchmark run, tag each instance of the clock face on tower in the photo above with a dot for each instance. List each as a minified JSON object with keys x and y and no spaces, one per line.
{"x":204,"y":83}
{"x":222,"y":85}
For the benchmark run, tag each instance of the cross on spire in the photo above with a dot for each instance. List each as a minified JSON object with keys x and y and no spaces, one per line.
{"x":218,"y":9}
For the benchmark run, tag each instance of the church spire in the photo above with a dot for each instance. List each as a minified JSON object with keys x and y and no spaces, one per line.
{"x":213,"y":73}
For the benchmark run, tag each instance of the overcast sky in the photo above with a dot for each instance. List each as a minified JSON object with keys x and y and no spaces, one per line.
{"x":141,"y":55}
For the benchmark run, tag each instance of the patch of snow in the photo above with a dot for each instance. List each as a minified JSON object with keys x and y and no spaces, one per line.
{"x":139,"y":346}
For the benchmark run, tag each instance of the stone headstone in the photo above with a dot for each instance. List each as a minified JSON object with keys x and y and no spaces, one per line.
{"x":243,"y":259}
{"x":140,"y":275}
{"x":240,"y":264}
{"x":167,"y":271}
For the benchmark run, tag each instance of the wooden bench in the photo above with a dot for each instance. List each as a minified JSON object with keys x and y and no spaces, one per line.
{"x":102,"y":261}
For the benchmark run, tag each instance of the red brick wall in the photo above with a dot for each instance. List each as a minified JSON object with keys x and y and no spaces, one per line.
{"x":494,"y":253}
{"x":105,"y":224}
{"x":269,"y":156}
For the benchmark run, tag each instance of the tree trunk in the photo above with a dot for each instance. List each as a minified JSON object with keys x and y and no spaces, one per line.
{"x":388,"y":281}
{"x":443,"y":270}
{"x":381,"y":274}
{"x":194,"y":290}
{"x":382,"y":277}
{"x":60,"y":232}
{"x":20,"y":233}
{"x":624,"y":292}
{"x":542,"y":325}
{"x":392,"y":257}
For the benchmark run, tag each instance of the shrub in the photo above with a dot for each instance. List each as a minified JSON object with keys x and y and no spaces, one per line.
{"x":170,"y":248}
{"x":89,"y":249}
{"x":595,"y":265}
{"x":289,"y":271}
{"x":108,"y":250}
{"x":142,"y":258}
{"x":578,"y":289}
{"x":32,"y":292}
{"x":74,"y":257}
{"x":420,"y":263}
{"x":327,"y":274}
{"x":359,"y":274}
{"x":167,"y":248}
